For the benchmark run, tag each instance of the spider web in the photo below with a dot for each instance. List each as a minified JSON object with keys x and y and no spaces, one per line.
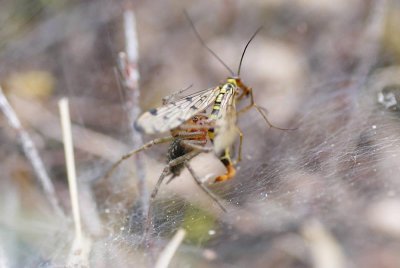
{"x":327,"y":192}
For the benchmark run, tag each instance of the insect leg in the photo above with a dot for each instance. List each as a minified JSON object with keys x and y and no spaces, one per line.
{"x":240,"y":145}
{"x":144,"y":147}
{"x":201,"y":185}
{"x":261,"y":111}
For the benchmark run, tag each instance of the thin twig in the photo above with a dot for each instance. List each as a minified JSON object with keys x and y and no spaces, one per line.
{"x":80,"y":248}
{"x":31,"y":153}
{"x":128,"y":67}
{"x":48,"y":125}
{"x":169,"y":251}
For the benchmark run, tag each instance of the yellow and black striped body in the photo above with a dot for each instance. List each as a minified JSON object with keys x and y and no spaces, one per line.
{"x":227,"y":91}
{"x":225,"y":97}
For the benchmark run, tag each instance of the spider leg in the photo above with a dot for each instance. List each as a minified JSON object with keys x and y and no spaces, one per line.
{"x":164,"y":173}
{"x":197,"y":145}
{"x":133,"y":152}
{"x":171,"y":179}
{"x":201,"y":185}
{"x":193,"y":145}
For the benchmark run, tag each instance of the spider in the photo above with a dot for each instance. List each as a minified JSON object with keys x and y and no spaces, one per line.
{"x":186,"y":141}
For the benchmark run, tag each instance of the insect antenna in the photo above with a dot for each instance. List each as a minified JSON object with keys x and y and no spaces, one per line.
{"x":204,"y":44}
{"x":245,"y":48}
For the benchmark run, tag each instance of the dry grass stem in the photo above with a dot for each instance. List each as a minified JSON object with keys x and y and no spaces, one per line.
{"x":80,"y":248}
{"x":325,"y":250}
{"x":130,"y":80}
{"x":47,"y":123}
{"x":31,"y":153}
{"x":168,"y":253}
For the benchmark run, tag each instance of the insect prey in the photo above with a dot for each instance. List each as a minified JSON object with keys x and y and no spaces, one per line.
{"x":223,"y":129}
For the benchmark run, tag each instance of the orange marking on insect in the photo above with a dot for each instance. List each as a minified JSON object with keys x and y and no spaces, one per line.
{"x":230,"y":173}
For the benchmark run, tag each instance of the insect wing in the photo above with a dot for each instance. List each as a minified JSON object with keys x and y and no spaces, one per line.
{"x":225,"y":126}
{"x":174,"y":113}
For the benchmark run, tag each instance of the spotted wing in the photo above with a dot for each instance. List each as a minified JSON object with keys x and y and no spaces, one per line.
{"x":176,"y":112}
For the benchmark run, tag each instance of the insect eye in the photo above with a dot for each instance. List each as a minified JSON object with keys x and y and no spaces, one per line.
{"x":195,"y":119}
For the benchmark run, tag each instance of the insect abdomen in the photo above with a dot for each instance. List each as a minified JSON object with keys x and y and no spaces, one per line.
{"x":217,"y":103}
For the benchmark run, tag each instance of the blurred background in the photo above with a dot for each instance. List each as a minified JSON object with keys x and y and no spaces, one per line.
{"x":324,"y":195}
